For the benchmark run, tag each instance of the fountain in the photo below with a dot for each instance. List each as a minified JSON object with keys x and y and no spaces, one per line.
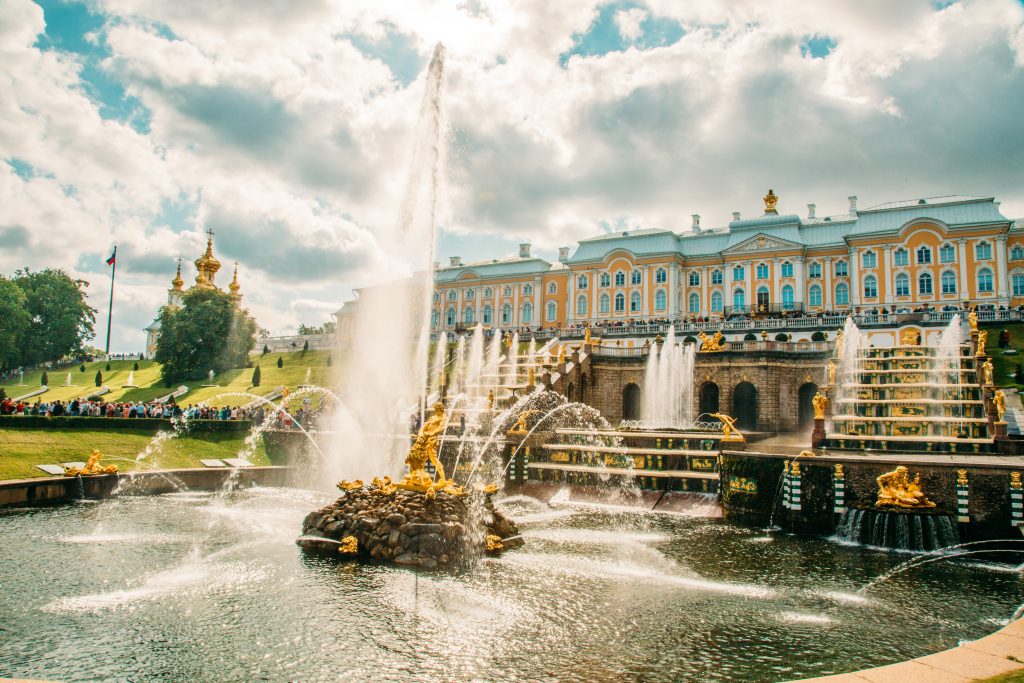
{"x":92,"y":467}
{"x":307,"y":382}
{"x":668,"y":384}
{"x":67,"y":382}
{"x":130,"y":384}
{"x":209,"y":377}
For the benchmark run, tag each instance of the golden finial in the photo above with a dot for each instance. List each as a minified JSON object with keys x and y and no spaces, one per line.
{"x":961,"y":477}
{"x":794,"y":468}
{"x":771,"y":200}
{"x":177,"y":282}
{"x":1015,"y":482}
{"x":234,"y":286}
{"x":839,"y":470}
{"x":207,"y":264}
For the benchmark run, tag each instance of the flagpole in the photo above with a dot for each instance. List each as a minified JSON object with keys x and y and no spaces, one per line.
{"x":110,"y":310}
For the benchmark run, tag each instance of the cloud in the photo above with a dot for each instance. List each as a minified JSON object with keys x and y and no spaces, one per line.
{"x":628,"y":22}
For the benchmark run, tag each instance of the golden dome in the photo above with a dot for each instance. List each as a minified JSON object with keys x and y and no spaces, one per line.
{"x":207,"y":264}
{"x":234,"y":286}
{"x":177,"y":282}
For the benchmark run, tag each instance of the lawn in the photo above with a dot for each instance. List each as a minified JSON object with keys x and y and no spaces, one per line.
{"x":22,"y":449}
{"x":1004,"y":364}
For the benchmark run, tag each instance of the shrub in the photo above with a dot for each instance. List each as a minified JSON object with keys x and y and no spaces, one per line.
{"x":305,"y":346}
{"x":108,"y":366}
{"x":782,"y":337}
{"x":280,"y":361}
{"x":690,"y":340}
{"x":1019,"y":373}
{"x":818,"y":336}
{"x":135,"y":367}
{"x":99,"y":378}
{"x":266,"y":349}
{"x":256,"y":376}
{"x":44,"y":380}
{"x":81,"y":368}
{"x":3,"y":394}
{"x":750,"y":336}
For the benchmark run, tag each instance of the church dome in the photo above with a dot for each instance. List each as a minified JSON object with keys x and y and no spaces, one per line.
{"x":207,"y":265}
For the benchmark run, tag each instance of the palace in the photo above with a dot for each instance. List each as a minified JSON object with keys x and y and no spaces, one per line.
{"x":207,"y":266}
{"x":898,"y":257}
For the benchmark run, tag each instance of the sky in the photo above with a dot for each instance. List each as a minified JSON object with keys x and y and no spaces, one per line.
{"x":285,"y":126}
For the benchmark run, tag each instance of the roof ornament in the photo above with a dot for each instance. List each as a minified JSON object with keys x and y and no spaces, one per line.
{"x":770,"y":201}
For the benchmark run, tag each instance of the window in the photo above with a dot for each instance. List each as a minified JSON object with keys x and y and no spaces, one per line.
{"x":552,"y":311}
{"x":870,"y":287}
{"x":508,"y":291}
{"x":506,"y":314}
{"x":716,"y":302}
{"x":985,"y":280}
{"x":636,"y":278}
{"x":738,"y":299}
{"x":841,"y":269}
{"x":815,"y":295}
{"x":1018,"y":284}
{"x":620,"y":302}
{"x":470,"y":294}
{"x":737,"y":273}
{"x":842,"y":294}
{"x":924,"y":284}
{"x":924,"y":254}
{"x":552,"y":288}
{"x":467,"y":315}
{"x":581,"y":282}
{"x":900,"y":257}
{"x":660,"y":300}
{"x":695,"y":278}
{"x":488,"y":293}
{"x":694,"y":306}
{"x":947,"y":254}
{"x":902,"y":285}
{"x":620,"y":278}
{"x":606,"y":280}
{"x":527,"y":290}
{"x":449,"y":317}
{"x":949,"y":282}
{"x":787,"y":297}
{"x":581,"y":305}
{"x":814,"y":271}
{"x":488,"y":315}
{"x":452,"y":295}
{"x":1017,"y":253}
{"x":634,"y":302}
{"x":661,"y":276}
{"x":982,"y":251}
{"x":762,"y":271}
{"x":434,"y":318}
{"x":716,"y":277}
{"x":787,"y":269}
{"x":605,"y":304}
{"x":435,"y":297}
{"x":527,"y":312}
{"x":870,"y":259}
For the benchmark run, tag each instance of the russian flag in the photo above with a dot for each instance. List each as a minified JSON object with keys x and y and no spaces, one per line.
{"x":110,"y":261}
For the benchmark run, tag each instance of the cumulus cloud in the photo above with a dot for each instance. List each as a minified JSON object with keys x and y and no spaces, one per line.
{"x":628,"y":22}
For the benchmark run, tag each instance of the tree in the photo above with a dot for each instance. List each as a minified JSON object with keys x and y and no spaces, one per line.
{"x":107,"y":368}
{"x":326,"y":328}
{"x":136,"y":366}
{"x":329,"y":360}
{"x":60,"y":319}
{"x":256,"y":376}
{"x":99,"y":378}
{"x":14,"y":323}
{"x":1019,"y":373}
{"x":208,"y":332}
{"x":280,"y":361}
{"x":81,"y":368}
{"x":818,"y":336}
{"x":782,"y":337}
{"x":305,"y":346}
{"x":266,"y":349}
{"x":44,"y":380}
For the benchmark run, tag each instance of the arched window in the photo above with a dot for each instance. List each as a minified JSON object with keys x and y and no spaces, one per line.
{"x":716,"y":302}
{"x":694,"y":278}
{"x":660,"y":276}
{"x":1017,"y":253}
{"x":763,"y":298}
{"x":869,"y":259}
{"x":488,"y":315}
{"x":581,"y":282}
{"x":901,"y":257}
{"x":983,"y":251}
{"x":1018,"y":284}
{"x":738,"y":273}
{"x":985,"y":280}
{"x":660,"y":300}
{"x":787,"y":269}
{"x":527,"y":312}
{"x":762,"y":271}
{"x":606,"y":280}
{"x":694,"y":306}
{"x":488,"y":293}
{"x":552,"y":288}
{"x":620,"y":302}
{"x":470,"y":294}
{"x":924,"y":284}
{"x":634,"y":302}
{"x":527,"y":290}
{"x":449,"y":317}
{"x":434,"y":317}
{"x":842,"y":294}
{"x":620,"y":278}
{"x":452,"y":295}
{"x":815,"y":295}
{"x":467,"y":315}
{"x":581,"y":305}
{"x":814,"y":270}
{"x":506,"y":314}
{"x":947,"y":254}
{"x":552,"y":311}
{"x":902,"y":285}
{"x":924,"y":254}
{"x":949,"y":282}
{"x":605,"y":304}
{"x":739,"y":299}
{"x":842,"y":269}
{"x":787,"y":297}
{"x":716,"y":277}
{"x":636,"y":278}
{"x":870,"y":287}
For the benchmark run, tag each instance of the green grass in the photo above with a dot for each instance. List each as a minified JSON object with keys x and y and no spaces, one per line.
{"x":1009,"y":677}
{"x":1005,"y":365}
{"x":22,"y":449}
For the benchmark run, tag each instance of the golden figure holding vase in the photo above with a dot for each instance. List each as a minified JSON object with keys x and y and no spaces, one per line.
{"x":820,"y":404}
{"x":897,"y":489}
{"x":425,"y":449}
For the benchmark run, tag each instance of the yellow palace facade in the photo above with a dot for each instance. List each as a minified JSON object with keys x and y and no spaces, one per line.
{"x":897,"y":257}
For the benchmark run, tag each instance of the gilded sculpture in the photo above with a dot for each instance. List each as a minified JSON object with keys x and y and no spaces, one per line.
{"x":520,"y":428}
{"x":425,"y":449}
{"x":349,"y":545}
{"x":910,"y":337}
{"x":490,"y":400}
{"x":531,"y":378}
{"x":92,"y":467}
{"x":1015,"y":482}
{"x":972,"y":318}
{"x":771,"y":201}
{"x":838,"y":467}
{"x":831,"y":373}
{"x":820,"y":403}
{"x":839,"y":343}
{"x":729,"y":431}
{"x":897,"y":489}
{"x":586,"y":337}
{"x":711,"y":344}
{"x":999,"y":398}
{"x":982,"y":339}
{"x":988,"y":371}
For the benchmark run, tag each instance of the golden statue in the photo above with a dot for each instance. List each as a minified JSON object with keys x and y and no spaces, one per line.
{"x":999,"y":398}
{"x":711,"y":344}
{"x":520,"y":428}
{"x":910,"y":337}
{"x":896,"y":489}
{"x":586,"y":337}
{"x":508,"y":343}
{"x":771,"y":201}
{"x":1015,"y":482}
{"x":490,"y":400}
{"x":838,"y":470}
{"x":346,"y":485}
{"x":349,"y":545}
{"x":982,"y":338}
{"x":531,"y":378}
{"x":972,"y":318}
{"x":831,"y":373}
{"x":423,"y":449}
{"x":493,"y":544}
{"x":988,"y":372}
{"x":839,"y":343}
{"x":561,"y":354}
{"x":729,"y":431}
{"x":92,"y":467}
{"x":820,"y":404}
{"x":805,"y":454}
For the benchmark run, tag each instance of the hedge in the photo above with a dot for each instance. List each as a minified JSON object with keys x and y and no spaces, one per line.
{"x":152,"y":424}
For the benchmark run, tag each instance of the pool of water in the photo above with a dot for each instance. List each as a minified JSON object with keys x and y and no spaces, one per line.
{"x":197,"y":586}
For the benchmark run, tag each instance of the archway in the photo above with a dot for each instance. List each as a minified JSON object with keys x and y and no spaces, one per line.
{"x":631,"y":402}
{"x":570,"y":392}
{"x":583,"y":388}
{"x":744,"y":405}
{"x":708,"y":398}
{"x":805,"y":396}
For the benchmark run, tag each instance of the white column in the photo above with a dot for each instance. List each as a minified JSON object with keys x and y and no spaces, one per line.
{"x":515,"y":305}
{"x":1002,"y":291}
{"x":799,"y":284}
{"x":570,"y":305}
{"x":705,"y":291}
{"x":496,"y":306}
{"x":727,"y":284}
{"x":826,"y":294}
{"x":890,"y":282}
{"x":538,"y":302}
{"x":776,"y":281}
{"x":594,"y":281}
{"x":478,"y":294}
{"x":645,"y":308}
{"x":965,"y":284}
{"x":751,"y":297}
{"x":854,"y":271}
{"x":670,"y":283}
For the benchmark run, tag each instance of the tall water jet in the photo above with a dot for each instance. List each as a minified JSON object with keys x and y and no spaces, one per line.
{"x":475,"y":361}
{"x":512,"y":361}
{"x":459,"y":366}
{"x":385,"y":378}
{"x":668,"y":384}
{"x":947,"y":361}
{"x":853,"y":341}
{"x":437,"y":366}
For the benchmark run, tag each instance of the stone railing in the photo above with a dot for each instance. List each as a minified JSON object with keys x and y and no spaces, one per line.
{"x":295,"y":342}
